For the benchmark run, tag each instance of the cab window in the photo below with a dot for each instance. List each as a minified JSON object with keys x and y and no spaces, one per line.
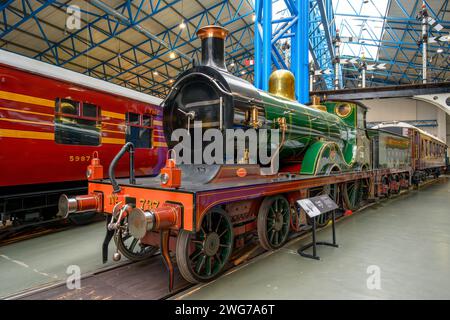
{"x":139,"y":129}
{"x":77,"y":123}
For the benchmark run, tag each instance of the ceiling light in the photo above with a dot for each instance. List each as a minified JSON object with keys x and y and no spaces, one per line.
{"x":242,"y":72}
{"x":440,"y":50}
{"x":232,"y":64}
{"x":182,"y":24}
{"x":155,"y":73}
{"x":172,"y":55}
{"x":253,"y":18}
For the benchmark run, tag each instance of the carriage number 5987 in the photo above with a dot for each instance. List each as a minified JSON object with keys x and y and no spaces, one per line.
{"x":79,"y":158}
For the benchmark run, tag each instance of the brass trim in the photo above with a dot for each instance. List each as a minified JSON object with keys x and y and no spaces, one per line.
{"x":212,"y":32}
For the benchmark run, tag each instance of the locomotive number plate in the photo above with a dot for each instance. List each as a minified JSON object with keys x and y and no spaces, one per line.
{"x":146,"y":204}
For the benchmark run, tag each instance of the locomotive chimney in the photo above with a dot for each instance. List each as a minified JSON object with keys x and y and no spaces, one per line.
{"x":213,"y":46}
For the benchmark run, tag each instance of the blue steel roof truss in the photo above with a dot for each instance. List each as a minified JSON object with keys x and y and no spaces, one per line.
{"x":134,"y":66}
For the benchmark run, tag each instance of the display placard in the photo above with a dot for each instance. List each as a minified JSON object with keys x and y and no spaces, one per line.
{"x":317,"y":205}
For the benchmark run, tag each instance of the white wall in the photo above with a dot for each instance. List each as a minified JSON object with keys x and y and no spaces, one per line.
{"x":448,"y":130}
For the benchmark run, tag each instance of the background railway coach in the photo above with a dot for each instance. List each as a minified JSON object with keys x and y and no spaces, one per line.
{"x":428,"y":153}
{"x":51,"y":122}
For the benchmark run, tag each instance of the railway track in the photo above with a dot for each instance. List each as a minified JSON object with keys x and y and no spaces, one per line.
{"x":9,"y":235}
{"x":143,"y":280}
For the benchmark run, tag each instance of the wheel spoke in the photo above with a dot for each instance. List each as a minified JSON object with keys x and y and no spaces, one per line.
{"x":208,"y":265}
{"x":195,"y":255}
{"x":271,"y":236}
{"x":133,"y":244}
{"x":218,"y":224}
{"x":200,"y":264}
{"x":271,"y":212}
{"x":224,"y":231}
{"x":218,"y":258}
{"x":209,"y":222}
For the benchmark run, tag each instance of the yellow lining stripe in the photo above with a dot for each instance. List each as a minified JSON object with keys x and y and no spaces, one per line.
{"x":30,"y":112}
{"x":110,"y":114}
{"x":113,"y":141}
{"x":157,"y":123}
{"x":27,"y":121}
{"x":113,"y":124}
{"x":26,"y":99}
{"x":159,"y":144}
{"x":113,"y":131}
{"x":7,"y":133}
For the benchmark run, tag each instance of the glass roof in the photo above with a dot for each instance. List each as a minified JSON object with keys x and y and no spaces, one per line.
{"x":363,"y":19}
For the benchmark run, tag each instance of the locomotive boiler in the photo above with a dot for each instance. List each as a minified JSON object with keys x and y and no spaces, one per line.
{"x":220,"y":100}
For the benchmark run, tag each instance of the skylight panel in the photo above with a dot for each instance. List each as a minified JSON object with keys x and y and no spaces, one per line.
{"x":364,"y":20}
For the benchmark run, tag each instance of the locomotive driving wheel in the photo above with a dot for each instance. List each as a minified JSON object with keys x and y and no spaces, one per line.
{"x":386,"y":186}
{"x":203,"y":256}
{"x":352,"y":194}
{"x":396,"y":190}
{"x":333,"y":191}
{"x":131,"y":247}
{"x":273,"y":222}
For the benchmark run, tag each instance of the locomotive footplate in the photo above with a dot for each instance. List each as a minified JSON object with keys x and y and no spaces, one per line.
{"x":196,"y":199}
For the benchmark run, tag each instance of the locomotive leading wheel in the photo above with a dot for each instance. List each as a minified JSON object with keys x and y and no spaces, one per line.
{"x":273,"y":222}
{"x":131,"y":247}
{"x":202,"y":256}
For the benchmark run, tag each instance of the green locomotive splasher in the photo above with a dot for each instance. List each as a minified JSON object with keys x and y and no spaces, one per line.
{"x":324,"y":141}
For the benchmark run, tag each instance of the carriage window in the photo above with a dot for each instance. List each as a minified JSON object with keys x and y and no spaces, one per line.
{"x":139,"y":130}
{"x":90,"y":110}
{"x":76,"y":123}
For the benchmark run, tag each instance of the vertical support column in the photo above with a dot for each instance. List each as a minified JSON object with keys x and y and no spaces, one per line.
{"x":302,"y":46}
{"x":424,"y":45}
{"x":258,"y":45}
{"x":267,"y":43}
{"x":337,"y":68}
{"x":364,"y":77}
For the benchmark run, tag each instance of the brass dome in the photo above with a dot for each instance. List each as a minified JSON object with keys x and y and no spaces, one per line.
{"x":282,"y":84}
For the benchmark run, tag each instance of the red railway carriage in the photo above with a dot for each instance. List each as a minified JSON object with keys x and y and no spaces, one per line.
{"x":51,"y":122}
